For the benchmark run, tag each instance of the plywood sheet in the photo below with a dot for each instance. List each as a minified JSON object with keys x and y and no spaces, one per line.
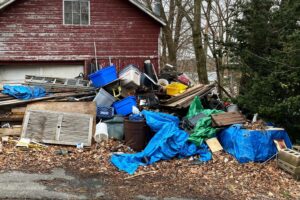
{"x":228,"y":118}
{"x":214,"y":145}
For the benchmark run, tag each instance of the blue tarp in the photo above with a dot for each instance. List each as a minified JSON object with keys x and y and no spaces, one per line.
{"x":168,"y":142}
{"x":251,"y":145}
{"x":24,"y":92}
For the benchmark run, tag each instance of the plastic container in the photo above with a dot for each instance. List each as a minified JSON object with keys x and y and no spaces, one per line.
{"x":103,"y":98}
{"x":104,"y":76}
{"x":124,"y":107}
{"x":101,"y":132}
{"x":136,"y":134}
{"x":130,"y":77}
{"x":116,"y":127}
{"x":105,"y":112}
{"x":176,"y":88}
{"x":148,"y":68}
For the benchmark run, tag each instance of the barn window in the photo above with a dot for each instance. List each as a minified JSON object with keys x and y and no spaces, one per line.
{"x":77,"y":12}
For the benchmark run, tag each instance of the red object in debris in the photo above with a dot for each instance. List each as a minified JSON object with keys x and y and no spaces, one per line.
{"x":227,"y":104}
{"x":184,"y":79}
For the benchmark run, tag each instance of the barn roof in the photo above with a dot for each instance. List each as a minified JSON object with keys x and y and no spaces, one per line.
{"x":137,"y":3}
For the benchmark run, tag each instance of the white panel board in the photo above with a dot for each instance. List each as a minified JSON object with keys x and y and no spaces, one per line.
{"x":17,"y":73}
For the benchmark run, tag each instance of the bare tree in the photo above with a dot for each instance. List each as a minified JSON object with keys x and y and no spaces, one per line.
{"x":191,"y":9}
{"x":218,"y":15}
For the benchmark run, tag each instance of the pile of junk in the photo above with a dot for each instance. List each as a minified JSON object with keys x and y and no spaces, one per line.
{"x":160,"y":116}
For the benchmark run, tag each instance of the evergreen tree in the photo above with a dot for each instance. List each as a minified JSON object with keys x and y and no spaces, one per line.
{"x":267,"y":45}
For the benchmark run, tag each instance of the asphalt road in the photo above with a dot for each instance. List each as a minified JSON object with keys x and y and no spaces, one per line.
{"x":56,"y":185}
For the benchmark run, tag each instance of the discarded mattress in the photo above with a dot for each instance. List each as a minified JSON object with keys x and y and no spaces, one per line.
{"x":251,"y":145}
{"x":24,"y":92}
{"x":167,"y":143}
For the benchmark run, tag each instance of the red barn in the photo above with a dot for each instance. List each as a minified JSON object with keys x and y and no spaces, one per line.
{"x":58,"y":37}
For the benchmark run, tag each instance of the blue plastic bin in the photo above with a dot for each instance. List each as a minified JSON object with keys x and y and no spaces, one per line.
{"x":104,"y":76}
{"x":124,"y":107}
{"x":105,"y":112}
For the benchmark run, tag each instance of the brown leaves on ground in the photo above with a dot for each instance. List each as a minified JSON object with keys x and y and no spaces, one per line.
{"x":221,"y":178}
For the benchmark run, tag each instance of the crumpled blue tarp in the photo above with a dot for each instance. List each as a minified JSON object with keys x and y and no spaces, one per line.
{"x":251,"y":145}
{"x":167,"y":143}
{"x":24,"y":92}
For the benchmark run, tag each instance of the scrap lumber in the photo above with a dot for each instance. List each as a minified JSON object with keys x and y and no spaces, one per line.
{"x":185,"y":100}
{"x":214,"y":144}
{"x":10,"y":131}
{"x":54,"y":96}
{"x":67,"y":107}
{"x":18,"y":110}
{"x":11,"y":118}
{"x":188,"y":92}
{"x":228,"y":118}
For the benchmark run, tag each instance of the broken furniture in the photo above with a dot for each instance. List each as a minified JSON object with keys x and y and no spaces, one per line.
{"x":228,"y":118}
{"x":289,"y":160}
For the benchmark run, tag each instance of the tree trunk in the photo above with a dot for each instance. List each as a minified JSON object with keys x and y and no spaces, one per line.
{"x":198,"y":44}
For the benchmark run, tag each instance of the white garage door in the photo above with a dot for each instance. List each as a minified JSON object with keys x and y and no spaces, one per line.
{"x":13,"y":73}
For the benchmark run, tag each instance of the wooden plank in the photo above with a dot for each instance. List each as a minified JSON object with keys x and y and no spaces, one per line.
{"x":11,"y":118}
{"x":18,"y":110}
{"x":10,"y":131}
{"x":188,"y":92}
{"x":184,"y":102}
{"x":228,"y":118}
{"x":55,"y":96}
{"x":214,"y":144}
{"x":72,"y":107}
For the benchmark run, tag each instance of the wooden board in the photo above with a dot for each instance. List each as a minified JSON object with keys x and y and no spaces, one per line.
{"x":10,"y":131}
{"x":67,"y":107}
{"x":72,"y":107}
{"x":185,"y":101}
{"x":18,"y":110}
{"x":11,"y":118}
{"x":214,"y":144}
{"x":58,"y":127}
{"x":55,"y":96}
{"x":188,"y":92}
{"x":228,"y":118}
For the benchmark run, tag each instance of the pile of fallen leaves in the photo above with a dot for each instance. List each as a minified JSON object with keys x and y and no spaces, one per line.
{"x":221,"y":178}
{"x":258,"y":125}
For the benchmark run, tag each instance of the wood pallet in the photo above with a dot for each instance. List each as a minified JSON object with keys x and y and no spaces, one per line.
{"x":228,"y":118}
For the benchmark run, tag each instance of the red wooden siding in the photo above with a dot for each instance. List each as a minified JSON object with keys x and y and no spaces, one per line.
{"x":33,"y":30}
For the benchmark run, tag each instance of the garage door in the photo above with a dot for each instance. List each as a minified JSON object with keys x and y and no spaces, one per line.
{"x":17,"y":73}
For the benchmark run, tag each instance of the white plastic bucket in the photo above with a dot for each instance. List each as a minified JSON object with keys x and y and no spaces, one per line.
{"x":101,"y":132}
